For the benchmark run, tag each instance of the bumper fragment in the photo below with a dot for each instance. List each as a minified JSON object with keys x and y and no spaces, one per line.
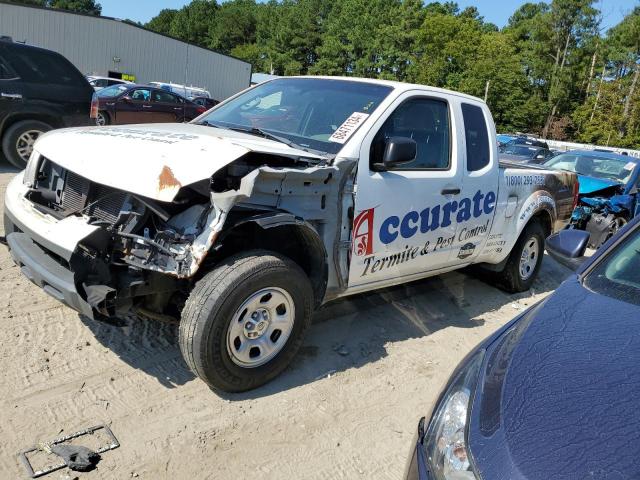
{"x":46,"y":272}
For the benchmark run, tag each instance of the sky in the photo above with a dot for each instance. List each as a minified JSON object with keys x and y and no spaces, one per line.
{"x":495,"y":11}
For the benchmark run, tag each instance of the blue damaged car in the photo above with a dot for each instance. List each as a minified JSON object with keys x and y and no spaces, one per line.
{"x":554,"y":394}
{"x":608,"y":195}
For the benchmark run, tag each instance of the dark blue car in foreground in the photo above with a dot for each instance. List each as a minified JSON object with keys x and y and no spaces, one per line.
{"x":554,"y":394}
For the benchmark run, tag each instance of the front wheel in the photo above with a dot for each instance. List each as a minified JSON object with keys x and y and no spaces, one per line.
{"x":525,"y":260}
{"x":244,"y":321}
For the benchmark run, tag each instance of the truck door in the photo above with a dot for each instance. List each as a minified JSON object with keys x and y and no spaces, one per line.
{"x":404,"y":221}
{"x":479,"y":183}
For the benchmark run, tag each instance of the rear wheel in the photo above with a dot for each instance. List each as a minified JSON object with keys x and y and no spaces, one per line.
{"x":525,"y":260}
{"x":18,"y":141}
{"x":102,"y":119}
{"x":244,"y":322}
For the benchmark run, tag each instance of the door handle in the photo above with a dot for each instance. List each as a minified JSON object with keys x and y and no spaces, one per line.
{"x":15,"y":96}
{"x":177,"y":108}
{"x":450,"y":191}
{"x":146,"y":106}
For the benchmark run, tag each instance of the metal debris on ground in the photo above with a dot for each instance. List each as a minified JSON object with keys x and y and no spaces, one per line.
{"x":76,"y":457}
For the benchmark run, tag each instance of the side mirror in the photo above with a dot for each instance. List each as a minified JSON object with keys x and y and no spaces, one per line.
{"x":397,"y":151}
{"x":567,"y":247}
{"x":540,"y":156}
{"x":126,"y":98}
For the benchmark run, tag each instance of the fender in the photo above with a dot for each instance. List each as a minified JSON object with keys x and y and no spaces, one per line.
{"x":539,"y":201}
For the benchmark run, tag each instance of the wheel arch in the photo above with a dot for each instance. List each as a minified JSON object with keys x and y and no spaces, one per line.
{"x":283,"y":233}
{"x":14,"y":118}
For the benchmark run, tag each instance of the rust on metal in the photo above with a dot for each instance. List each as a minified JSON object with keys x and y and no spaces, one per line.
{"x":167,"y":180}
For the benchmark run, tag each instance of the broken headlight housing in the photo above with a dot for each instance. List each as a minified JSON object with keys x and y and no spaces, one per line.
{"x":445,"y":441}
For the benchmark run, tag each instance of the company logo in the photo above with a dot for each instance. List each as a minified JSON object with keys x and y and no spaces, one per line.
{"x":363,"y":233}
{"x":466,"y":251}
{"x":432,"y":218}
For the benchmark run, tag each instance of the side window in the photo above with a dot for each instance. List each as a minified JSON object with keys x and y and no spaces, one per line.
{"x":163,"y":97}
{"x":424,"y":120}
{"x":477,"y":137}
{"x":6,"y":73}
{"x":141,"y":95}
{"x":40,"y":66}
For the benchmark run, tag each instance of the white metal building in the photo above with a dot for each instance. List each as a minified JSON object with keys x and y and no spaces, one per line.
{"x":99,"y":45}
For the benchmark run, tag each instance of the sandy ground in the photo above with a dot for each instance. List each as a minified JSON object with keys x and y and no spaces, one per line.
{"x":347,"y":408}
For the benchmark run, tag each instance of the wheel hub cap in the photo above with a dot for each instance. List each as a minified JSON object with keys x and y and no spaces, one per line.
{"x":260,"y":327}
{"x":529,"y":258}
{"x":24,"y":144}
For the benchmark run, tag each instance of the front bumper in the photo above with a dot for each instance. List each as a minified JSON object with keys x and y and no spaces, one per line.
{"x":43,"y":247}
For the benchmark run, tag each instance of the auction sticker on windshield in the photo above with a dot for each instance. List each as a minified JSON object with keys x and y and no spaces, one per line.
{"x":349,"y":127}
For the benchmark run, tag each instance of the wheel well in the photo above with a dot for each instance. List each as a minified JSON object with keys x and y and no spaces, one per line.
{"x":544,"y":217}
{"x":19,"y":117}
{"x":298,"y":242}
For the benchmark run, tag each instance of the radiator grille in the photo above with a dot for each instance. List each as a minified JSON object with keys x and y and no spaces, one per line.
{"x":101,"y":202}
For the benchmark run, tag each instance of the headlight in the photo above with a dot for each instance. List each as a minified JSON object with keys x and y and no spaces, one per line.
{"x":445,"y":441}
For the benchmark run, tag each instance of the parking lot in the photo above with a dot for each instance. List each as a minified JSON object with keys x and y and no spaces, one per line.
{"x":347,"y":408}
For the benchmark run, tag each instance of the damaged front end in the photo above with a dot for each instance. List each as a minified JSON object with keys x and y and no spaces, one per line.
{"x":144,"y":253}
{"x":142,"y":249}
{"x":603,"y":213}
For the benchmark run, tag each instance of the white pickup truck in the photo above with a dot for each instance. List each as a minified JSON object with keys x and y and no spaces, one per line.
{"x":290,"y":194}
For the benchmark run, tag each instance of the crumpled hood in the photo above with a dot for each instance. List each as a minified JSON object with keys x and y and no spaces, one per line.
{"x":589,"y":185}
{"x":152,"y":160}
{"x":561,"y":399}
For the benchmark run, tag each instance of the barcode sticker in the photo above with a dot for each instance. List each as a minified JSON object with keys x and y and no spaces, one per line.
{"x":348,"y":127}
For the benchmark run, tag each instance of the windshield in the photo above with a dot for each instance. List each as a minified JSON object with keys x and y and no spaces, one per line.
{"x":521,"y":150}
{"x":112,"y":91}
{"x":618,"y":170}
{"x":304,"y":111}
{"x":618,"y":275}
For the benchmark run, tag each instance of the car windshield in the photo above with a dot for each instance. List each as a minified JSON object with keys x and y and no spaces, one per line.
{"x":112,"y":91}
{"x":305,"y":111}
{"x":521,"y":150}
{"x":618,"y":274}
{"x":618,"y":170}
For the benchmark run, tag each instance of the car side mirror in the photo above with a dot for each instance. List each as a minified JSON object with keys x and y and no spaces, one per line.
{"x":540,"y":156}
{"x":397,"y":151}
{"x":567,"y":247}
{"x":126,"y":98}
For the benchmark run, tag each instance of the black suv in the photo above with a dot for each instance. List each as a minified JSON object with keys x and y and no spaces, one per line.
{"x":39,"y":90}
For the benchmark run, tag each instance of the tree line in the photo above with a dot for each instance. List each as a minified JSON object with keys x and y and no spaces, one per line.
{"x":552,"y":70}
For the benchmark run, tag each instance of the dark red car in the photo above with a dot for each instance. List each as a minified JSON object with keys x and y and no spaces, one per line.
{"x":122,"y":104}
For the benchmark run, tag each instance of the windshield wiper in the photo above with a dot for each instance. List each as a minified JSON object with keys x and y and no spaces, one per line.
{"x":267,"y":135}
{"x":264,"y":134}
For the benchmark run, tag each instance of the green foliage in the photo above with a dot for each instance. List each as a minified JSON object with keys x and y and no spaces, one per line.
{"x":81,"y":6}
{"x":550,"y":70}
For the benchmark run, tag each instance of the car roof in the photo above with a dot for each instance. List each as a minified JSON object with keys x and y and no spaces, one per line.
{"x":401,"y":86}
{"x":611,"y":155}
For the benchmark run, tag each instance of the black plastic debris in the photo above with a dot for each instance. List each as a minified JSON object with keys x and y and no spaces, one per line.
{"x":77,"y":457}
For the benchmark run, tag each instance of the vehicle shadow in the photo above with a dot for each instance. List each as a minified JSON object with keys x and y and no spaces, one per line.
{"x":345,"y":334}
{"x":148,"y":345}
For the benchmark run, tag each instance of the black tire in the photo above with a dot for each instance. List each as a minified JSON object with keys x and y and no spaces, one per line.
{"x":214,"y":301}
{"x":511,"y":279}
{"x":13,"y":133}
{"x":105,"y":115}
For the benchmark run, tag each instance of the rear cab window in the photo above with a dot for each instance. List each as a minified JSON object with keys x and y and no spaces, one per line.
{"x":476,"y":136}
